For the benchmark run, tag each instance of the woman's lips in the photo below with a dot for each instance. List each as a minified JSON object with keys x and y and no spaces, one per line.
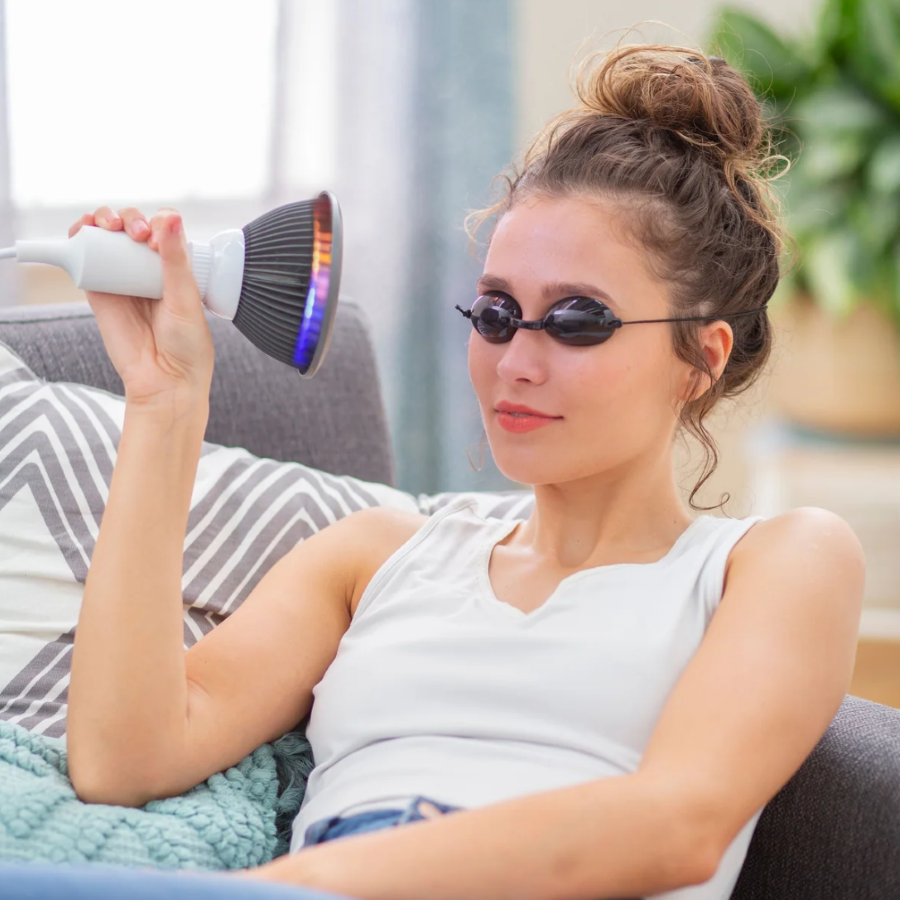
{"x":520,"y":423}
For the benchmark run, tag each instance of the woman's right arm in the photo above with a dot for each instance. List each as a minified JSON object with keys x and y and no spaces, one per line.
{"x":146,"y":719}
{"x":127,"y":683}
{"x":128,"y":693}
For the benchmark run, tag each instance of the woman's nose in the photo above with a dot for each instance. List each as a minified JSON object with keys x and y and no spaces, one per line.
{"x":524,"y":358}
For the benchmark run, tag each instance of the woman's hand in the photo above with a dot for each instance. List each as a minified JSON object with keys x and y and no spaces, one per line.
{"x":162,"y":349}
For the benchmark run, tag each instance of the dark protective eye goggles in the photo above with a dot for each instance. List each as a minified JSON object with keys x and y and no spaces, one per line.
{"x":575,"y":321}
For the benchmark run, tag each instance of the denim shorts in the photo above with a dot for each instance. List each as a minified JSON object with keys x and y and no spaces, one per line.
{"x":341,"y":826}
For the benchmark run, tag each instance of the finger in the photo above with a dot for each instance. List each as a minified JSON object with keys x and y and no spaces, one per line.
{"x":86,"y":219}
{"x":106,"y":218}
{"x":180,"y":293}
{"x":135,"y":223}
{"x":157,"y":222}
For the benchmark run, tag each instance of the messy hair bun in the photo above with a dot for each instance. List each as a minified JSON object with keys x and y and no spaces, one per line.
{"x":702,"y":98}
{"x":678,"y":141}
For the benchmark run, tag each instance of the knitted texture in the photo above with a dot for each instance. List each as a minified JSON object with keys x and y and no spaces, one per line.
{"x":235,"y":819}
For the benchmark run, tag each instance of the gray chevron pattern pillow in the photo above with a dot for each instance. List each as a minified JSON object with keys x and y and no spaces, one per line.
{"x":58,"y":444}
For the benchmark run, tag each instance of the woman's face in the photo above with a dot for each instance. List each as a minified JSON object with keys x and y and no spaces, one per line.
{"x":608,"y":404}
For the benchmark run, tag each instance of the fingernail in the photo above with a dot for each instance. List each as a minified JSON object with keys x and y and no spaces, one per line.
{"x":139,"y":227}
{"x":175,"y":226}
{"x":113,"y":217}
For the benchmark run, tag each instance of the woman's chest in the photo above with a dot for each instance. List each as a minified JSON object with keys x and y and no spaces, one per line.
{"x":586,"y":667}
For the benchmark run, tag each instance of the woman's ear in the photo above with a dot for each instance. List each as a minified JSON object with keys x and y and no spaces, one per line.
{"x":716,"y":341}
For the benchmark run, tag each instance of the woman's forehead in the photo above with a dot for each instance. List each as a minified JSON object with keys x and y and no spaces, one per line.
{"x":549,"y":290}
{"x":545,"y":249}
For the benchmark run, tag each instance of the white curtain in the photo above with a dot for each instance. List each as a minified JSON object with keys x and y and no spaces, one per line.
{"x":425,"y":120}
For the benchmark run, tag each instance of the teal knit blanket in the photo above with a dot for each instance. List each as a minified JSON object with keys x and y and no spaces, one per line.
{"x":235,"y":819}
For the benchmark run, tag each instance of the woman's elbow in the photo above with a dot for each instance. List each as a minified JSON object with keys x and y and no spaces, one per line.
{"x":684,"y":864}
{"x":700,"y":864}
{"x":102,"y":784}
{"x":694,"y":847}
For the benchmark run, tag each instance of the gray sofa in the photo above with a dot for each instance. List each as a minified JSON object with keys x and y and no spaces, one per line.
{"x":832,"y":833}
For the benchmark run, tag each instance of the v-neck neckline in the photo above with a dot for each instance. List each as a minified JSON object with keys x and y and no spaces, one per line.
{"x":505,"y":527}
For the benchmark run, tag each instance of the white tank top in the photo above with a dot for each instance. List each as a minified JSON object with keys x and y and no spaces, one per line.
{"x":440,"y":689}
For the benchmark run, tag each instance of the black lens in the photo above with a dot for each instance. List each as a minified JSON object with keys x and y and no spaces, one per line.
{"x":492,"y":317}
{"x":580,"y":321}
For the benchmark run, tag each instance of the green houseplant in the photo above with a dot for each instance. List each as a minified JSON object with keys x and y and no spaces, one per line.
{"x":833,"y":97}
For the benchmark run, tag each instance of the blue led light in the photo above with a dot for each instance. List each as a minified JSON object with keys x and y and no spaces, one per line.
{"x":310,"y":326}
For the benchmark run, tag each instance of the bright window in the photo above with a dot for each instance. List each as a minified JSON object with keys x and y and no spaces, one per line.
{"x":118,"y":100}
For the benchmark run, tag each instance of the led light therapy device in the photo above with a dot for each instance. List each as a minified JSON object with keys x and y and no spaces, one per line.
{"x":276,"y":279}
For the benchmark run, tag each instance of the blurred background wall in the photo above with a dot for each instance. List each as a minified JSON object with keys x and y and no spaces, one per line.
{"x":407,"y":109}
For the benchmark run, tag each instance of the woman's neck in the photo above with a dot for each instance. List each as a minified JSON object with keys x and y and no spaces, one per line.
{"x":607,"y":518}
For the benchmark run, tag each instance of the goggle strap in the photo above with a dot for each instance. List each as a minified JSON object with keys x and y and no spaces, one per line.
{"x":745,"y":312}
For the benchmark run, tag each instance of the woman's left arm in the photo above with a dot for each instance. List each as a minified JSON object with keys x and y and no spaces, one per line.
{"x":770,"y":674}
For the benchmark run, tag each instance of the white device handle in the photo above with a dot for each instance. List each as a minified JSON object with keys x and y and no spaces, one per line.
{"x":114,"y":263}
{"x":100,"y":260}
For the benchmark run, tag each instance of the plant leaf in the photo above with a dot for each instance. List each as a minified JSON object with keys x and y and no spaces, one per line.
{"x":811,"y":207}
{"x":772,"y":64}
{"x":825,"y":161}
{"x":840,"y":108}
{"x":883,"y":171}
{"x":876,"y":219}
{"x":874,"y":49}
{"x":835,"y":28}
{"x":830,"y":264}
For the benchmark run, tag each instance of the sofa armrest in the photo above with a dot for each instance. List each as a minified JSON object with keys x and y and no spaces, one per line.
{"x":833,"y":831}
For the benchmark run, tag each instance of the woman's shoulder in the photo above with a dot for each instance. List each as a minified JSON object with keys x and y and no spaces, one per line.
{"x":386,"y":526}
{"x":798,"y":528}
{"x":809,"y":539}
{"x":381,"y":526}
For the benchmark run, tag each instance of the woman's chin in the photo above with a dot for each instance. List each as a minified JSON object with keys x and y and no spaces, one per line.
{"x":527,"y":472}
{"x":524,"y":460}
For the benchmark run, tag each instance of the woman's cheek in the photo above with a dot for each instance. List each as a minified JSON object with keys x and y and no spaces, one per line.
{"x":602,"y":377}
{"x":479,"y":369}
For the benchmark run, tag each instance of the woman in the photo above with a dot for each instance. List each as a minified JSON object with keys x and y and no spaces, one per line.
{"x":595,"y":702}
